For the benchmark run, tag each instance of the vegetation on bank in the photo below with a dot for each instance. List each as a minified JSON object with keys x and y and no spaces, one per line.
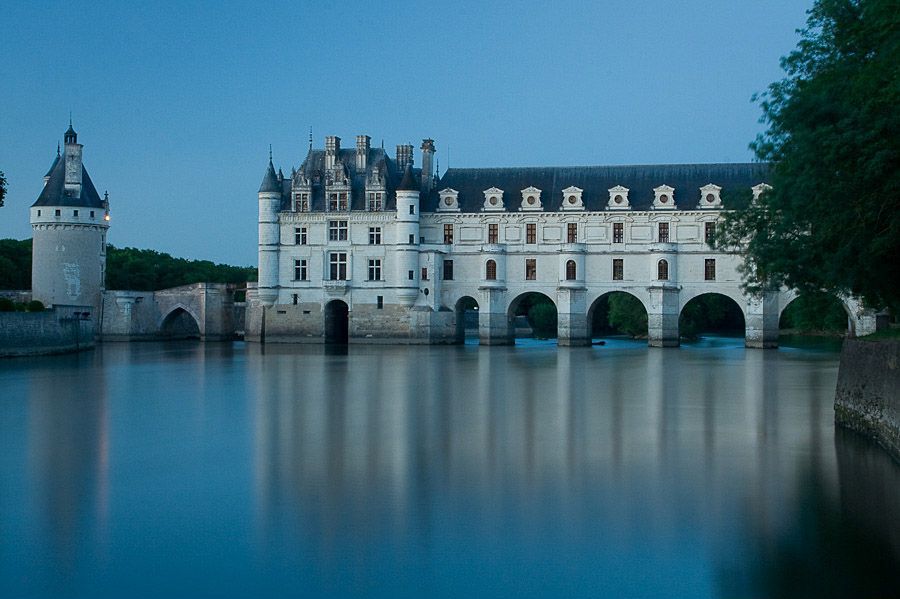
{"x":7,"y":305}
{"x":127,"y":268}
{"x":829,"y":223}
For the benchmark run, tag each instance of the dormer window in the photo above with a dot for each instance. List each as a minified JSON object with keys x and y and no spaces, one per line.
{"x":337,"y":201}
{"x":301,"y":202}
{"x":664,"y":198}
{"x":710,"y":196}
{"x":449,"y":200}
{"x":572,"y":198}
{"x":759,"y":189}
{"x":374,"y":201}
{"x":493,"y":199}
{"x":531,"y":199}
{"x":618,"y":198}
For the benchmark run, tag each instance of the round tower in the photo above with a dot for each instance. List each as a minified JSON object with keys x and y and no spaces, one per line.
{"x":408,"y":238}
{"x":269,"y":236}
{"x":69,"y":222}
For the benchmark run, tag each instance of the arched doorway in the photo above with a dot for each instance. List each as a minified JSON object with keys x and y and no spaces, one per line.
{"x":617,"y":313}
{"x":179,"y":324}
{"x":532,"y":315}
{"x":814,"y":312}
{"x":337,"y":322}
{"x":466,"y":310}
{"x":711,"y":313}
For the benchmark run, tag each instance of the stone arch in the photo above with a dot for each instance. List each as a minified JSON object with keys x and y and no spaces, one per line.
{"x":790,"y":297}
{"x":736,"y":299}
{"x":517,"y":302}
{"x":180,"y":323}
{"x":599,"y":300}
{"x":337,"y":322}
{"x":464,"y":313}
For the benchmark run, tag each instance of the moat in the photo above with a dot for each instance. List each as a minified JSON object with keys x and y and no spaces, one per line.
{"x":237,"y":470}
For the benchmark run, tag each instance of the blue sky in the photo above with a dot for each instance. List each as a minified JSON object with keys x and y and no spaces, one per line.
{"x":176,"y":103}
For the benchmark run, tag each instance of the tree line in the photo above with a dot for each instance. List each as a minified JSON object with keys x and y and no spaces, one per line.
{"x":128,"y":268}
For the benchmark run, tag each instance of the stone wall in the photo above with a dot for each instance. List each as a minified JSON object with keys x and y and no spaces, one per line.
{"x":59,"y":330}
{"x":867,"y":399}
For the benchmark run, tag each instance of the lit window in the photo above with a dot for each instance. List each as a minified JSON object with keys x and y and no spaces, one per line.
{"x":571,"y":271}
{"x":572,"y":232}
{"x":493,"y":231}
{"x":490,"y":270}
{"x":337,"y":230}
{"x":664,"y":232}
{"x":374,"y":235}
{"x":531,"y":233}
{"x":448,"y":234}
{"x":662,"y":270}
{"x":618,"y":269}
{"x":337,"y":262}
{"x":530,"y":269}
{"x":618,"y":232}
{"x":448,"y":270}
{"x":709,"y":269}
{"x":301,"y":272}
{"x":375,"y":270}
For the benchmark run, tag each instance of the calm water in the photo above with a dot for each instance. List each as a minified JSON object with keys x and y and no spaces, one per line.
{"x":615,"y":471}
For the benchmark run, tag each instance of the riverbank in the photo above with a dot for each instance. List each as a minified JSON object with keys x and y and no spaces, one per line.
{"x":62,"y":329}
{"x":867,"y":398}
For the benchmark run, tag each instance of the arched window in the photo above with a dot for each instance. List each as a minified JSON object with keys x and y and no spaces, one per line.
{"x":490,"y":271}
{"x":662,"y":270}
{"x":570,"y":270}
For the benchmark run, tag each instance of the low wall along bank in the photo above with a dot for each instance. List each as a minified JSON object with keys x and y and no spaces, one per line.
{"x":58,"y":330}
{"x":867,"y":399}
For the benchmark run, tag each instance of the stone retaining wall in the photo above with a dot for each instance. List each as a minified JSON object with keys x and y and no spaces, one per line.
{"x":59,"y":330}
{"x":867,"y":399}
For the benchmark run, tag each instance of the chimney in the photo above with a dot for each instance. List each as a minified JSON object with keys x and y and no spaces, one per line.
{"x":427,"y":164}
{"x":404,"y":156}
{"x":332,"y":148}
{"x":362,"y":152}
{"x":73,"y":164}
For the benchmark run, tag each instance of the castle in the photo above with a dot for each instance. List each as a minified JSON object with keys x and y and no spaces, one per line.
{"x":358,"y":245}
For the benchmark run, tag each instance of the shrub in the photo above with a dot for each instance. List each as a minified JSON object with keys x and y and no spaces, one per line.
{"x":34,"y":306}
{"x":7,"y":305}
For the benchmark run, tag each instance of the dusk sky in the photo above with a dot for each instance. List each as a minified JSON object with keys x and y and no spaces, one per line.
{"x":176,"y":105}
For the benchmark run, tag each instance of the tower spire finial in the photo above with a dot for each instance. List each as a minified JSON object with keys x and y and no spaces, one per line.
{"x":57,"y":148}
{"x":270,"y":152}
{"x":310,"y":138}
{"x":70,"y":119}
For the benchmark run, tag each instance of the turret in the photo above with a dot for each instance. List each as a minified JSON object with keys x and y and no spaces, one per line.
{"x":269,"y":235}
{"x":427,"y":164}
{"x":408,"y":238}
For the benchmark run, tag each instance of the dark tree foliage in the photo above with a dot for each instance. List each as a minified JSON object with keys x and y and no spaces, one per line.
{"x":815,"y":312}
{"x":627,"y":315}
{"x":543,"y":319}
{"x":710,"y":313}
{"x":2,"y":188}
{"x":830,"y":223}
{"x":149,"y":270}
{"x":15,"y":264}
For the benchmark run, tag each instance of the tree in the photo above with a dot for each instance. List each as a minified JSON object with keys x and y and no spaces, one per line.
{"x":830,"y":222}
{"x":627,"y":314}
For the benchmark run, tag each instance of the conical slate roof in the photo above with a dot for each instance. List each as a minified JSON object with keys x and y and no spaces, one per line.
{"x":270,"y":181}
{"x":409,"y":180}
{"x":55,"y":194}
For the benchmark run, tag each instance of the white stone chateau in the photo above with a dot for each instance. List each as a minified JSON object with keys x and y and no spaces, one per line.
{"x":361,"y":245}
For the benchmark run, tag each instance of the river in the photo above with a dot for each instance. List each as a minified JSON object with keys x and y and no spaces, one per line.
{"x":239,"y":470}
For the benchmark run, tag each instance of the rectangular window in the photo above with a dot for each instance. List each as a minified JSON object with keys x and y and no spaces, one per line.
{"x":412,"y":209}
{"x":380,"y":304}
{"x":424,"y":274}
{"x":530,"y":269}
{"x":374,"y":204}
{"x":709,"y":269}
{"x":337,"y":201}
{"x":531,"y":233}
{"x":448,"y":270}
{"x":300,"y":270}
{"x":618,"y":232}
{"x":58,"y":212}
{"x":337,"y":262}
{"x":301,"y":202}
{"x":337,"y":230}
{"x":375,"y":270}
{"x":709,"y":231}
{"x":618,"y":269}
{"x":572,"y":233}
{"x":296,"y":299}
{"x":92,"y":213}
{"x":374,"y":235}
{"x":300,"y":235}
{"x":448,"y":234}
{"x":411,"y":274}
{"x":74,"y":213}
{"x":412,"y":238}
{"x":39,"y":212}
{"x":664,"y":232}
{"x":493,"y":233}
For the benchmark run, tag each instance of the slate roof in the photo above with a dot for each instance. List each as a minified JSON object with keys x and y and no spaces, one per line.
{"x":735,"y":179}
{"x":270,"y":181}
{"x":54,"y":193}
